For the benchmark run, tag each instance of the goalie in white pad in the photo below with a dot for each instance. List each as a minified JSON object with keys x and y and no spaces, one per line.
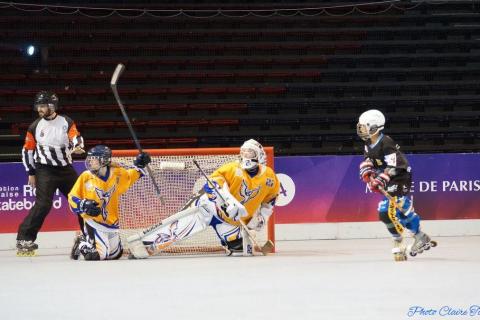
{"x":249,"y":189}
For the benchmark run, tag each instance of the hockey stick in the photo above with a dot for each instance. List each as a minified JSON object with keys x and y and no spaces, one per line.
{"x":113,"y":84}
{"x":268,"y":246}
{"x":389,"y":197}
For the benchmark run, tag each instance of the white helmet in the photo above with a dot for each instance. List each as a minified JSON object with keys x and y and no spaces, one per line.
{"x":370,"y":123}
{"x":252,"y":154}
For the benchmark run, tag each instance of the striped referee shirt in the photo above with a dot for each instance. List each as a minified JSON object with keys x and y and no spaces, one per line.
{"x":50,"y":142}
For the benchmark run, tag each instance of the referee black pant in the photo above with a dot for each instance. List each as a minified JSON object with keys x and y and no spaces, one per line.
{"x":47,"y":180}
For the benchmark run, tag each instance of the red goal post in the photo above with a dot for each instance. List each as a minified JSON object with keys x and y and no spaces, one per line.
{"x":140,"y":207}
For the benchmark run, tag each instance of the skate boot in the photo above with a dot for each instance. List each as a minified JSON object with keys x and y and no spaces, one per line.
{"x":399,"y":249}
{"x":234,"y":248}
{"x":422,"y":242}
{"x":26,"y":248}
{"x":75,"y":253}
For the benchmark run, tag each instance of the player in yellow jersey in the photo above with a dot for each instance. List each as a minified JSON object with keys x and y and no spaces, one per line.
{"x":249,"y":189}
{"x":95,"y":197}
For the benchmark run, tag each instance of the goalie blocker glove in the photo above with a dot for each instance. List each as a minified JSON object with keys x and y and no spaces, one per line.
{"x":142,"y":160}
{"x":90,"y":207}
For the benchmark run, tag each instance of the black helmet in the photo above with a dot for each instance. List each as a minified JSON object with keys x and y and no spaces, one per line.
{"x":100,"y":152}
{"x":46,"y":97}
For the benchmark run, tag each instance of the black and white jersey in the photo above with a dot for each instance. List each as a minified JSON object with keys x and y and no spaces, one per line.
{"x":385,"y":153}
{"x":50,"y":142}
{"x":387,"y":157}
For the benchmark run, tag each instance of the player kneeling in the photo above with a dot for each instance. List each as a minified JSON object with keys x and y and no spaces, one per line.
{"x":244,"y":190}
{"x":95,"y":197}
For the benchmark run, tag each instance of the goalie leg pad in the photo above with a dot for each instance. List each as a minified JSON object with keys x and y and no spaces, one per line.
{"x":136,"y":247}
{"x":144,"y":245}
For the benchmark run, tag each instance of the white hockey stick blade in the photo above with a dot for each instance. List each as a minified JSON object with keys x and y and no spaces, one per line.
{"x":116,"y":74}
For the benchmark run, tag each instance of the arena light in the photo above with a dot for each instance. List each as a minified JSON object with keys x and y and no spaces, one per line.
{"x":31,"y":50}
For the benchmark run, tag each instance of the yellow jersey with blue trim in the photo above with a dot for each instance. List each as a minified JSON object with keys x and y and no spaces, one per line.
{"x":251,"y":191}
{"x":106,"y":191}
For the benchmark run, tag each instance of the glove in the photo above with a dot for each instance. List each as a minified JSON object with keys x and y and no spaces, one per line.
{"x":232,"y":211}
{"x":232,"y":208}
{"x":366,"y":170}
{"x":379,"y":182}
{"x":143,"y":158}
{"x":90,"y":207}
{"x":256,"y":223}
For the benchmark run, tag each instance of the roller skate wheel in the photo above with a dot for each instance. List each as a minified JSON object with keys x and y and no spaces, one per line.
{"x":26,"y":253}
{"x":433,"y":243}
{"x":413,"y":254}
{"x":400,"y":257}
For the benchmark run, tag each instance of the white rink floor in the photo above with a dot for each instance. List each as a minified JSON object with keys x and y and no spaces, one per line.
{"x":324,"y":279}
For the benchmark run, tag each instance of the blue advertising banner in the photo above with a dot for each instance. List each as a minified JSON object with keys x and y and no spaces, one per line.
{"x":314,"y":189}
{"x":328,"y":188}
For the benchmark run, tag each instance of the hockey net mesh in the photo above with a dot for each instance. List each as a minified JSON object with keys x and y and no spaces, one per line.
{"x":140,"y":206}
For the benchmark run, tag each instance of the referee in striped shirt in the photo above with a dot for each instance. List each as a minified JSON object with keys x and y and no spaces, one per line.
{"x":46,"y":155}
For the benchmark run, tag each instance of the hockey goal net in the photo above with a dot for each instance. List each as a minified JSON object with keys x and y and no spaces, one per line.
{"x":178,"y":179}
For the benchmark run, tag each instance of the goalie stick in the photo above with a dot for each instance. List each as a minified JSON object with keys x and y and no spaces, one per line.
{"x":113,"y":84}
{"x":268,"y":246}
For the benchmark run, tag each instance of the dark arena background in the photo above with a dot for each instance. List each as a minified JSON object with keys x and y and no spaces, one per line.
{"x":297,"y":79}
{"x":202,"y":77}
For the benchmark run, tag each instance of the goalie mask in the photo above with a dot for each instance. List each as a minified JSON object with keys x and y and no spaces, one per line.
{"x":370,"y":123}
{"x":98,"y":157}
{"x":252,"y":154}
{"x":46,"y":99}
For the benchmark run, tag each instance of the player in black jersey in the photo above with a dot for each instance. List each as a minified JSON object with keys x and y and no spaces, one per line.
{"x":386,"y":170}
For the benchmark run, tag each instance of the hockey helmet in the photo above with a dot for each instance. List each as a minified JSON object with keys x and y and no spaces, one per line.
{"x":97,"y":158}
{"x":252,"y":154}
{"x":46,"y":98}
{"x":370,"y":122}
